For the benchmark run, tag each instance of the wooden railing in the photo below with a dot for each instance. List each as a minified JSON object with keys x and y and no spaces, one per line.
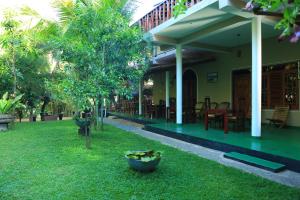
{"x":161,"y":13}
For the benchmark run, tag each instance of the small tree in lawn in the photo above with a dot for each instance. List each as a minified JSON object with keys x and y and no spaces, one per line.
{"x":100,"y":51}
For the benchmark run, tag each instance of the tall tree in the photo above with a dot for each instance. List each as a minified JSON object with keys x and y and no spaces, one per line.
{"x":100,"y":52}
{"x":24,"y":55}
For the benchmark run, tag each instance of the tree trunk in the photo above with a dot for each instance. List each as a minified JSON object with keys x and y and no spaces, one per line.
{"x":87,"y":136}
{"x":97,"y":113}
{"x":46,"y":101}
{"x":101,"y":114}
{"x":14,"y":72}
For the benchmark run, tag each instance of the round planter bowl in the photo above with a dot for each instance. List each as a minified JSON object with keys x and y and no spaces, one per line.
{"x":141,"y":166}
{"x":6,"y":118}
{"x":4,"y":121}
{"x":82,"y":122}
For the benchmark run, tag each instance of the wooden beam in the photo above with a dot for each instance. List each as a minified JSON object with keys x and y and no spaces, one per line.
{"x":158,"y":39}
{"x":214,"y":29}
{"x":208,"y":47}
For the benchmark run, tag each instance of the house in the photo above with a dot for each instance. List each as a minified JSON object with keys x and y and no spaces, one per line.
{"x":217,"y":51}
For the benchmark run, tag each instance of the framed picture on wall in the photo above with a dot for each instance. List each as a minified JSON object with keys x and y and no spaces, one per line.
{"x":212,"y":77}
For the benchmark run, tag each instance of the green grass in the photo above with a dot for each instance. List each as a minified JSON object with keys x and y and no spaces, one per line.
{"x":49,"y":161}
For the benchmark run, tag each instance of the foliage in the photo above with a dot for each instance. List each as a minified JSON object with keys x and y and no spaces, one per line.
{"x":144,"y":156}
{"x":6,"y":78}
{"x":7,"y":104}
{"x":24,"y":62}
{"x":49,"y":160}
{"x":287,"y":11}
{"x":96,"y":47}
{"x":179,"y":8}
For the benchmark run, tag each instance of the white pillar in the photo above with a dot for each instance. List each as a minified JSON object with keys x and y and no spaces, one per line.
{"x":178,"y":84}
{"x":167,"y":94}
{"x":167,"y":88}
{"x":256,"y":77}
{"x":140,"y":97}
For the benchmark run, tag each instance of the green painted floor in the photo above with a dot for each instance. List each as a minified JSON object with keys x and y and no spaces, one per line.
{"x":146,"y":119}
{"x":283,"y":142}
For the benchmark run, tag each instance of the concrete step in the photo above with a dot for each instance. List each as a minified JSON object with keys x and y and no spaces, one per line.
{"x":254,"y":161}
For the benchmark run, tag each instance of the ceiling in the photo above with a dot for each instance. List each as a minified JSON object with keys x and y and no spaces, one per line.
{"x":204,"y":21}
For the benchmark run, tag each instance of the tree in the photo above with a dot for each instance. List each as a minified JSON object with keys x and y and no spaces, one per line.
{"x":100,"y":52}
{"x":287,"y":11}
{"x":24,"y":62}
{"x":11,"y":42}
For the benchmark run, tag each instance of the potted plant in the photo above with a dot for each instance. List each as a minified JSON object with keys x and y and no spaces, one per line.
{"x":33,"y":114}
{"x":83,"y":123}
{"x":7,"y":106}
{"x":60,"y":116}
{"x":143,"y":161}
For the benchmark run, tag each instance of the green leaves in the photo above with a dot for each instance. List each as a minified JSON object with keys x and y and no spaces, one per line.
{"x":287,"y":11}
{"x":97,"y":44}
{"x":7,"y":105}
{"x":144,"y":156}
{"x":179,"y":8}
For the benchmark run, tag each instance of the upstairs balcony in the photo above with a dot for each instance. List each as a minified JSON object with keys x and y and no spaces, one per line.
{"x":161,"y":13}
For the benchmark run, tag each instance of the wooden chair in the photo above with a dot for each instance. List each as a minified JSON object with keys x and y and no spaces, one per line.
{"x":161,"y":109}
{"x":238,"y":118}
{"x":280,"y":116}
{"x":215,"y":118}
{"x":171,"y":111}
{"x":200,"y":110}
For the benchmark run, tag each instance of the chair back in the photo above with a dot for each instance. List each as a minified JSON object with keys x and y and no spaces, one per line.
{"x":162,"y":102}
{"x":224,"y":106}
{"x":281,"y":113}
{"x":207,"y":104}
{"x":199,"y":105}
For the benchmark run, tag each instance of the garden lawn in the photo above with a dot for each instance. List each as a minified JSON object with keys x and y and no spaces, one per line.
{"x":48,"y":160}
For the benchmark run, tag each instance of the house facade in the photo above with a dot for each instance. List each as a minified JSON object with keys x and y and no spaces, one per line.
{"x":218,"y":51}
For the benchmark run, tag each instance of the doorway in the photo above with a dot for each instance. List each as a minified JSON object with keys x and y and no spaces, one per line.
{"x":189,"y":95}
{"x":241,"y":85}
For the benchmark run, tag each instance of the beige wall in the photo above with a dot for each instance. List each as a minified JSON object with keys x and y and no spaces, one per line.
{"x":273,"y":52}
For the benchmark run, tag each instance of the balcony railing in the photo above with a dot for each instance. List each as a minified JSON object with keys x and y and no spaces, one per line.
{"x":161,"y":13}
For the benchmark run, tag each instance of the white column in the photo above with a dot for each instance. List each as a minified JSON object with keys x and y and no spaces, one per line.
{"x":167,"y":94}
{"x":256,"y":77}
{"x":178,"y":84}
{"x":140,"y":97}
{"x":167,"y":88}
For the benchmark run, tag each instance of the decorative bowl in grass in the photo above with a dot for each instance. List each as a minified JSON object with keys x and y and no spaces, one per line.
{"x":143,"y":161}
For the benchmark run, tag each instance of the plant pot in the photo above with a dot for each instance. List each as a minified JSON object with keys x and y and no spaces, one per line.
{"x":42,"y":116}
{"x":82,"y":123}
{"x":32,"y":118}
{"x":142,"y":166}
{"x":5,"y":120}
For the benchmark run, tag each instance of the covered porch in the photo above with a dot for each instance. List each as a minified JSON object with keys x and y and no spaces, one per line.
{"x":215,"y":51}
{"x":217,"y":40}
{"x":278,"y":145}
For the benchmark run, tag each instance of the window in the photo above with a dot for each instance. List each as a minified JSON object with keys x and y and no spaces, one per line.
{"x":280,"y":86}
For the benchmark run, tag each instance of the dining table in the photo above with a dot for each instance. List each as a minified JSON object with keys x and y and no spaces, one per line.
{"x":220,"y":113}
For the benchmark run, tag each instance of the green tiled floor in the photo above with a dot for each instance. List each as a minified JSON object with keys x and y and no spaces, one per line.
{"x":283,"y":142}
{"x":146,"y":119}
